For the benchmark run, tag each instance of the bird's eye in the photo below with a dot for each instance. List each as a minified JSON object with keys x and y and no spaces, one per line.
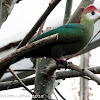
{"x":93,"y":13}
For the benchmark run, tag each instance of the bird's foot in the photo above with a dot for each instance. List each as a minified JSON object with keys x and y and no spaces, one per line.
{"x":62,"y":62}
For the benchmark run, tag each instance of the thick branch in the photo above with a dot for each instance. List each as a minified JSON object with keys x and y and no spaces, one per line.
{"x":73,"y":73}
{"x":52,"y":68}
{"x":23,"y":50}
{"x":86,"y":72}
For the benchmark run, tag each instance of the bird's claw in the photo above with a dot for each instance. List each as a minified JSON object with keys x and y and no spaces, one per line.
{"x":62,"y":62}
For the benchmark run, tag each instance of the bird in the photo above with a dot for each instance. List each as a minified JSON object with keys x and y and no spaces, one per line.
{"x":72,"y":38}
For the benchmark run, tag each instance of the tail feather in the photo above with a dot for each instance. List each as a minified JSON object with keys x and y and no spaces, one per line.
{"x":21,"y":57}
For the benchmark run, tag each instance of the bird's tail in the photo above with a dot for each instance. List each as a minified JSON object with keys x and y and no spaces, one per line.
{"x":21,"y":57}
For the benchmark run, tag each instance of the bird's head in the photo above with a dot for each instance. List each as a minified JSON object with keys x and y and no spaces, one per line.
{"x":91,"y":13}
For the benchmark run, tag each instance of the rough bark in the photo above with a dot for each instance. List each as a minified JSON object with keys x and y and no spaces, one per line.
{"x":6,"y":7}
{"x":4,"y":62}
{"x":43,"y":83}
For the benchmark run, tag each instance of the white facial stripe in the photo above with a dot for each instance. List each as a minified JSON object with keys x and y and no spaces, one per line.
{"x":95,"y":16}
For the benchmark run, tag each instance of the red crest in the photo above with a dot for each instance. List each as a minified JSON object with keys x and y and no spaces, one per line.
{"x":88,"y":9}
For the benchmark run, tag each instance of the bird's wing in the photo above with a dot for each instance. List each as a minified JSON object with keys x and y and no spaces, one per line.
{"x":71,"y":33}
{"x":66,"y":33}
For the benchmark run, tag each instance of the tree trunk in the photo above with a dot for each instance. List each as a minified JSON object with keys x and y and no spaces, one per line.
{"x":6,"y":7}
{"x":84,"y":61}
{"x":44,"y":83}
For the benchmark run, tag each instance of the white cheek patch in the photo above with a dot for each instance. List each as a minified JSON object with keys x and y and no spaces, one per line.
{"x":95,"y":16}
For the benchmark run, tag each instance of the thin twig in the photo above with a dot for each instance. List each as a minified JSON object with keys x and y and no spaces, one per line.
{"x":59,"y":94}
{"x":82,"y":51}
{"x":55,"y":95}
{"x":20,"y":81}
{"x":21,"y":70}
{"x":40,"y":29}
{"x":94,"y":36}
{"x":10,"y":84}
{"x":86,"y":77}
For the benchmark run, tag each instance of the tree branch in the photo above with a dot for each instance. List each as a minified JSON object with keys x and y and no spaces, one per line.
{"x":6,"y":60}
{"x":59,"y":75}
{"x":10,"y":45}
{"x":91,"y":46}
{"x":73,"y":73}
{"x":21,"y":83}
{"x":36,"y":26}
{"x":40,"y":29}
{"x":18,"y":1}
{"x":85,"y":71}
{"x":59,"y":94}
{"x":16,"y":84}
{"x":52,"y":68}
{"x":34,"y":29}
{"x":22,"y":70}
{"x":38,"y":23}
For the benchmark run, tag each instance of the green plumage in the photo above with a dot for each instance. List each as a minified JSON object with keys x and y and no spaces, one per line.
{"x":72,"y":38}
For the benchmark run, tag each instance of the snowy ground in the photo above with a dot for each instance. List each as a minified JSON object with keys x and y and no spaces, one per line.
{"x":22,"y":18}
